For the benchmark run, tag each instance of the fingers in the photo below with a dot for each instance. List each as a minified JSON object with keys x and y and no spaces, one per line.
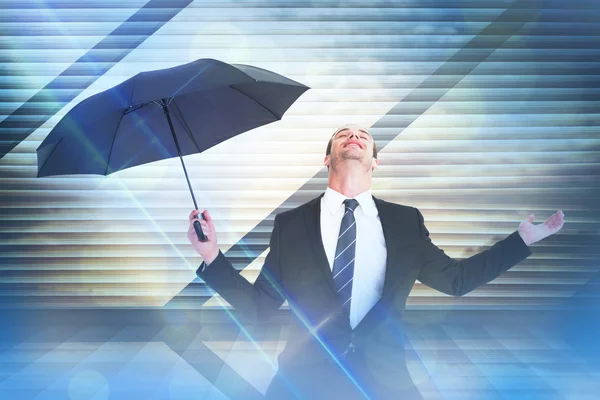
{"x":193,"y":214}
{"x":206,"y":223}
{"x":205,"y":215}
{"x":209,"y":221}
{"x":552,"y":221}
{"x":205,"y":228}
{"x":193,"y":236}
{"x":193,"y":217}
{"x":560,"y":220}
{"x":196,"y":213}
{"x":556,"y":221}
{"x":557,"y":217}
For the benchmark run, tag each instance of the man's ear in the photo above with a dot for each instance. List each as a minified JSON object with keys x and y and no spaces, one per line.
{"x":326,"y":161}
{"x":374,"y":164}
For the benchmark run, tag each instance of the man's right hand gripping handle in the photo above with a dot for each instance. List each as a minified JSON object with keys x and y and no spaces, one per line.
{"x":209,"y":250}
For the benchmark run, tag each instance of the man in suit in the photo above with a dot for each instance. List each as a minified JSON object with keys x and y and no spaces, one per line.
{"x":346,"y":263}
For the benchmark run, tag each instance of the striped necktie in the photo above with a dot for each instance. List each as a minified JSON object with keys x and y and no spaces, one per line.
{"x":343,"y":263}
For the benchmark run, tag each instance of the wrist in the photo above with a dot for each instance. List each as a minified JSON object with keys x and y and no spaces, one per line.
{"x":523,"y":237}
{"x":211,"y":257}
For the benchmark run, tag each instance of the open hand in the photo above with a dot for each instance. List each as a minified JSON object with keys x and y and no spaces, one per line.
{"x":531,"y":233}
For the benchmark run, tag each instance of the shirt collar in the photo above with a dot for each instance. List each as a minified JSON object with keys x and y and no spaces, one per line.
{"x":334,"y":200}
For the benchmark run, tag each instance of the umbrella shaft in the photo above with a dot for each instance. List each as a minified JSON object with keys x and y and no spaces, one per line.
{"x":168,"y":115}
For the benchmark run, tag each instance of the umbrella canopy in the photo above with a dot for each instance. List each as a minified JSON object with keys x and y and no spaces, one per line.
{"x":208,"y":101}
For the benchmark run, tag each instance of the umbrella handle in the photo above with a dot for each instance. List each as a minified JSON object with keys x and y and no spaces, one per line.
{"x":198,"y":228}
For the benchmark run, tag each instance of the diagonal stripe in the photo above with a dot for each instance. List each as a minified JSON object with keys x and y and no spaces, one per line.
{"x":96,"y":62}
{"x":345,"y":284}
{"x":454,"y":70}
{"x":342,"y":234}
{"x":342,"y":252}
{"x":351,"y":261}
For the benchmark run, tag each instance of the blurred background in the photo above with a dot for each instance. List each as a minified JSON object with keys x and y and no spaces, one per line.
{"x":484,"y":111}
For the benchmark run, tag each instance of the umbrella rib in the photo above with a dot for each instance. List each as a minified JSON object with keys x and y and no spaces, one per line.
{"x":47,"y":158}
{"x":273,"y":114}
{"x":132,"y":109}
{"x":112,"y":145}
{"x":183,"y":122}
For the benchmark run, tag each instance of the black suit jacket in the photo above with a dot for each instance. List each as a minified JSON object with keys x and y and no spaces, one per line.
{"x":296,"y":269}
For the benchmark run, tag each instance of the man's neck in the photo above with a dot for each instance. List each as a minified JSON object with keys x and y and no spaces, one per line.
{"x":349,"y":184}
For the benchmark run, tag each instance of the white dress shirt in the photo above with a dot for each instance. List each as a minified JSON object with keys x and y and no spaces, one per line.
{"x":371,"y":253}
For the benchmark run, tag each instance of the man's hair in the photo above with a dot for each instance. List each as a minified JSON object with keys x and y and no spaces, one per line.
{"x":328,"y":150}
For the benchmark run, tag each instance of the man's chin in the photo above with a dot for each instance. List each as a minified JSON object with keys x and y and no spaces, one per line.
{"x":352,"y":156}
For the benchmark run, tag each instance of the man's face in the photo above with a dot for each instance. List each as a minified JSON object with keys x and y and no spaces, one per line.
{"x":352,"y":142}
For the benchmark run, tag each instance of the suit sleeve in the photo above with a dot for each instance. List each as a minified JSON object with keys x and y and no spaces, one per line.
{"x":253,"y":302}
{"x":459,"y":277}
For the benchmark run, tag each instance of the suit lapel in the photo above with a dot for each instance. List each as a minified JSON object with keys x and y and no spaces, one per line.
{"x":390,"y":235}
{"x":313,"y":227}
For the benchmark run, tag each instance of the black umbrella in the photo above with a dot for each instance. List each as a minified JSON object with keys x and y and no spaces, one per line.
{"x":162,"y":114}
